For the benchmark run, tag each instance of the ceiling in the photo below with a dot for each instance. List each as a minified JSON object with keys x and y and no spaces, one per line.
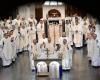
{"x":91,"y":6}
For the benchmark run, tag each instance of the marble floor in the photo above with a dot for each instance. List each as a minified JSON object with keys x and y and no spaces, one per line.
{"x":81,"y":70}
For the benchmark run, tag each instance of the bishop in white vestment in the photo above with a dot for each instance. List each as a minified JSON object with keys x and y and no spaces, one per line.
{"x":13,"y":44}
{"x":40,"y":29}
{"x":23,"y":38}
{"x":78,"y":34}
{"x":96,"y":55}
{"x":33,"y":53}
{"x":7,"y":51}
{"x":33,"y":20}
{"x":66,"y":55}
{"x":90,"y":42}
{"x":31,"y":32}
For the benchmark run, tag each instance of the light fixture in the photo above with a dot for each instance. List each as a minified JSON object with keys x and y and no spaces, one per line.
{"x":60,"y":3}
{"x":53,"y":3}
{"x":46,"y":3}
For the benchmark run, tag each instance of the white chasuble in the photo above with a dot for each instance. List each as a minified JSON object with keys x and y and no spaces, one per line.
{"x":43,"y":51}
{"x":7,"y":52}
{"x":13,"y":44}
{"x":31,"y":34}
{"x":33,"y":54}
{"x":40,"y":31}
{"x":78,"y":35}
{"x":66,"y":51}
{"x":23,"y":38}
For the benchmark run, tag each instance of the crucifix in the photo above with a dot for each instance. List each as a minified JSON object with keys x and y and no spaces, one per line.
{"x":47,"y":52}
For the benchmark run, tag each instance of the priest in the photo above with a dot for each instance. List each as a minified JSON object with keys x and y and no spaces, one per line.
{"x":43,"y":47}
{"x":78,"y":33}
{"x":7,"y":51}
{"x":33,"y":53}
{"x":31,"y":32}
{"x":66,"y":55}
{"x":40,"y":29}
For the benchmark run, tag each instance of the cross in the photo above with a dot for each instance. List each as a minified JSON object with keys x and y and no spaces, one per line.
{"x":47,"y":52}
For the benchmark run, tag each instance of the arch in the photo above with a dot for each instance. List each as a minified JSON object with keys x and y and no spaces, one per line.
{"x":54,"y":13}
{"x":41,"y":66}
{"x":54,"y":69}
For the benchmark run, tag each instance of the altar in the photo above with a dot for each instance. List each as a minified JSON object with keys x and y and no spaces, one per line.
{"x":49,"y":74}
{"x":48,"y":61}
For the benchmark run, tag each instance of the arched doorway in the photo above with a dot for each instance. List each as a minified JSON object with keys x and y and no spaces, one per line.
{"x":54,"y":13}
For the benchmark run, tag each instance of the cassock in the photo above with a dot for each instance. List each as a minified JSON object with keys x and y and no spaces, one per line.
{"x":66,"y":56}
{"x":78,"y":35}
{"x":7,"y":52}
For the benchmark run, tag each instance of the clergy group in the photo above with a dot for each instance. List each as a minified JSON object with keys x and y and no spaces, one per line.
{"x":52,"y":41}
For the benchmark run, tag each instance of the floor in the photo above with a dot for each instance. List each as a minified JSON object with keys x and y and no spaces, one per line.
{"x":81,"y":70}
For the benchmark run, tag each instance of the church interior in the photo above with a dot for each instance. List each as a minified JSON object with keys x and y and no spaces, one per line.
{"x":49,"y":40}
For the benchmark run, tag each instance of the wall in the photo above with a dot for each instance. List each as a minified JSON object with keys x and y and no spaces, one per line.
{"x":46,"y":9}
{"x":27,"y":10}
